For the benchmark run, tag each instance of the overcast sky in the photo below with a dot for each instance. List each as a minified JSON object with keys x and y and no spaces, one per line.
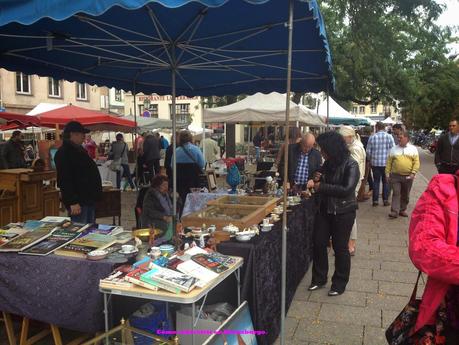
{"x":450,"y":17}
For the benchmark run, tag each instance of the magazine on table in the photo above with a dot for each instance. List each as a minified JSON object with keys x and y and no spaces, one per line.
{"x":170,"y":278}
{"x":71,"y":227}
{"x":25,"y":240}
{"x":56,"y":240}
{"x":201,"y":273}
{"x":209,"y":262}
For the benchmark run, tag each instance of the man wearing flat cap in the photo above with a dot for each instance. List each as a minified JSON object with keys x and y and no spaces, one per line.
{"x":77,"y":175}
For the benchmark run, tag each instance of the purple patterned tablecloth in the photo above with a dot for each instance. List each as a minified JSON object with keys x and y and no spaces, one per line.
{"x":54,"y":289}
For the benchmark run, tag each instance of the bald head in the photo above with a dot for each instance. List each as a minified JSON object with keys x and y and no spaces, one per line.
{"x":307,"y":142}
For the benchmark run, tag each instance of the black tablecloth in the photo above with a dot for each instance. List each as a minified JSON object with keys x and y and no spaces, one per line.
{"x":54,"y":289}
{"x":261,"y":273}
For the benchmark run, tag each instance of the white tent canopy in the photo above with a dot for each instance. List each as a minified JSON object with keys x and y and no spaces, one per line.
{"x":388,"y":121}
{"x":334,"y":109}
{"x":44,"y":107}
{"x":262,"y":108}
{"x":145,"y":124}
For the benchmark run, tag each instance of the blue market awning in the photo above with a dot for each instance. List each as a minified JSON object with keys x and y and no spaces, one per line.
{"x":217,"y":47}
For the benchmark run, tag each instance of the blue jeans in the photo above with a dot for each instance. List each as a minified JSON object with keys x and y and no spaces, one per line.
{"x":257,"y":153}
{"x":87,"y":215}
{"x":127,"y":174}
{"x":379,"y":173}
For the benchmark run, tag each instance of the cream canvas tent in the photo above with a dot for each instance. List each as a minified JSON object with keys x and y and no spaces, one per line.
{"x":262,"y":108}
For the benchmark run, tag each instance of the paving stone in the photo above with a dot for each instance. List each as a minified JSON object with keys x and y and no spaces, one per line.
{"x":391,"y":243}
{"x":351,"y":315}
{"x":362,"y":285}
{"x":393,"y":276}
{"x":361,"y":262}
{"x":304,"y":310}
{"x":324,"y":332}
{"x":374,"y":336}
{"x":398,"y":266}
{"x":389,"y":257}
{"x":386,"y":302}
{"x":361,"y":273}
{"x":388,"y":316}
{"x":394,"y":250}
{"x":302,"y":294}
{"x":397,"y":289}
{"x":351,"y":298}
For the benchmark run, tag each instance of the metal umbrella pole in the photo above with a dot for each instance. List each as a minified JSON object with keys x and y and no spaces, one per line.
{"x":174,"y":149}
{"x":284,"y":218}
{"x":328,"y":108}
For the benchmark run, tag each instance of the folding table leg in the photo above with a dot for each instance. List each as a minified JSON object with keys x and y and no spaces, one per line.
{"x":56,"y":335}
{"x":193,"y":313}
{"x":9,"y":328}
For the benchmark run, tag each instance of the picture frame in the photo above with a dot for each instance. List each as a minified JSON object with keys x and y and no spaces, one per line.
{"x":211,"y":180}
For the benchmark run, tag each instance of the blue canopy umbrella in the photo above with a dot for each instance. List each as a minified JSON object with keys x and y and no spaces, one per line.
{"x":191,"y":48}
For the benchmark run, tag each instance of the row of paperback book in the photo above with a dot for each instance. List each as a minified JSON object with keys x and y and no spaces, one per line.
{"x":60,"y":236}
{"x":196,"y":268}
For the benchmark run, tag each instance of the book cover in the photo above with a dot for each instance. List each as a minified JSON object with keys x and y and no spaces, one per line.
{"x":85,"y":244}
{"x":134,"y":277}
{"x":103,"y":229}
{"x":70,"y":226}
{"x":55,"y":219}
{"x":201,"y":273}
{"x":56,"y":240}
{"x":117,"y":277}
{"x":25,"y":240}
{"x":169,"y":277}
{"x":209,"y":262}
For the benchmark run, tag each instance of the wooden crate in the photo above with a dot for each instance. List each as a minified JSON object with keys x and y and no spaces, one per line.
{"x":266,"y":202}
{"x":241,"y":216}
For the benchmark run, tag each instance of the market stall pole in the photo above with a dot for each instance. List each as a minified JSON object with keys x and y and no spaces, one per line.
{"x":285,"y":182}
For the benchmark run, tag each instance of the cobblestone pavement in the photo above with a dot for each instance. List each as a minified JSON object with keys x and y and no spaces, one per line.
{"x":382,"y":279}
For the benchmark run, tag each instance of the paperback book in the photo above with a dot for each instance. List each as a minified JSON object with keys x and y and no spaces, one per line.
{"x":25,"y":240}
{"x":118,"y":277}
{"x":169,"y":278}
{"x":56,"y":240}
{"x":134,"y":277}
{"x":201,"y":273}
{"x":102,"y":229}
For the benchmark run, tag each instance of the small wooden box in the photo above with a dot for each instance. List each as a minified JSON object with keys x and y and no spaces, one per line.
{"x":241,"y":216}
{"x":266,"y":202}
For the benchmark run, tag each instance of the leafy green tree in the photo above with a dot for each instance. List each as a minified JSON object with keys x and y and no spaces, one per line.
{"x":392,"y":50}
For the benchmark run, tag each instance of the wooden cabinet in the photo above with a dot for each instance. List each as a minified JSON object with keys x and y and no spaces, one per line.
{"x":25,"y":197}
{"x":109,"y":205}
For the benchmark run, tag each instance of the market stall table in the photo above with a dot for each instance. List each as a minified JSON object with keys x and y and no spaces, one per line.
{"x":164,"y":296}
{"x":261,"y":273}
{"x":57,"y":290}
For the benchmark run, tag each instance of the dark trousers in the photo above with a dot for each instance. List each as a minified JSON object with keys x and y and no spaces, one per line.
{"x":338,"y":227}
{"x":379,"y":174}
{"x":87,"y":215}
{"x":153,"y":167}
{"x":125,"y":172}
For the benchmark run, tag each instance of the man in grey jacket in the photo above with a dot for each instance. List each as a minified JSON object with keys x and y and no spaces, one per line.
{"x":13,"y":152}
{"x":120,"y":151}
{"x":151,"y":154}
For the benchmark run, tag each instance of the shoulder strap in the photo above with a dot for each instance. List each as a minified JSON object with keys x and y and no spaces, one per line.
{"x":188,"y":153}
{"x":124,"y":149}
{"x":415,"y":290}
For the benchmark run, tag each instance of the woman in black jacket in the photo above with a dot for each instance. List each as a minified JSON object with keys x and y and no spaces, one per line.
{"x":157,"y":208}
{"x":335,"y":187}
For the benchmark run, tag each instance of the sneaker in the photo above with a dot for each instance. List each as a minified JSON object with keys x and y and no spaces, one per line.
{"x":403,"y":214}
{"x":393,"y":215}
{"x":314,"y":287}
{"x":386,"y":203}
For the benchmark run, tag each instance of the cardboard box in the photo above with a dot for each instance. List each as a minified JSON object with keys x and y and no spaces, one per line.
{"x":184,"y":323}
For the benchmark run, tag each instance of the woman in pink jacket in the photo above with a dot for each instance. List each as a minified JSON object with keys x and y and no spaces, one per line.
{"x":434,"y":250}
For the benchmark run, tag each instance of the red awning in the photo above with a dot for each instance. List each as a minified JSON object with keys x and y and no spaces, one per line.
{"x":94,"y":120}
{"x":17,"y":121}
